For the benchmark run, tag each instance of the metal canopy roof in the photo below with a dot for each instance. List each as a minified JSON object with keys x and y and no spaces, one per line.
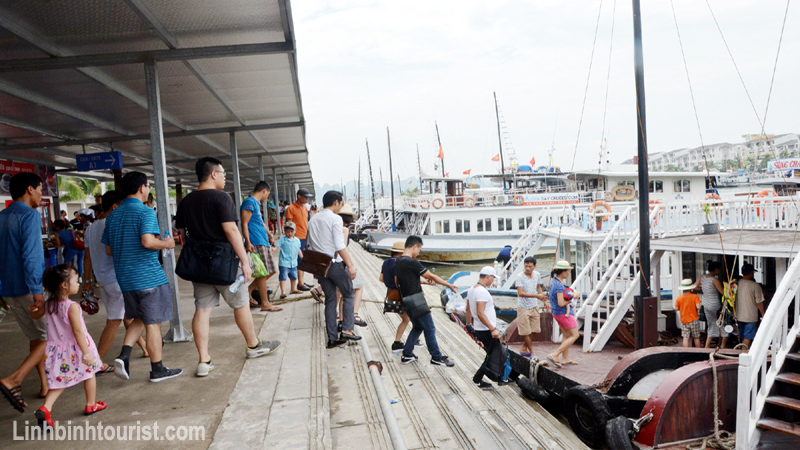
{"x":72,"y":81}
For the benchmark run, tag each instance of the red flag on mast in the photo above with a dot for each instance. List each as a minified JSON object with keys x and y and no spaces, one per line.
{"x":441,"y":152}
{"x":467,"y":172}
{"x":496,"y":157}
{"x":533,"y":161}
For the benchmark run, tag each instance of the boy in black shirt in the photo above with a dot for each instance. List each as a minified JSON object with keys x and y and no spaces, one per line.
{"x":407,"y":275}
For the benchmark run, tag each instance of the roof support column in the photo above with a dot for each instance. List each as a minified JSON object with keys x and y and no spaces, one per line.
{"x":176,"y":331}
{"x":237,"y":186}
{"x":264,"y":208}
{"x":276,"y":196}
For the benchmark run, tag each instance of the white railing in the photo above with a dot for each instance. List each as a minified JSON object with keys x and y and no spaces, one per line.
{"x":759,"y":367}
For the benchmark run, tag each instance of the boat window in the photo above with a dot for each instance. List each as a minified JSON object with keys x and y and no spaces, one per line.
{"x":488,"y":224}
{"x":522,"y":223}
{"x":501,"y":224}
{"x":438,"y":227}
{"x":480,"y":225}
{"x":627,"y":183}
{"x":459,"y":226}
{"x":683,"y":186}
{"x":656,"y":186}
{"x":509,"y":224}
{"x":466,"y":226}
{"x":445,"y":226}
{"x":528,"y":221}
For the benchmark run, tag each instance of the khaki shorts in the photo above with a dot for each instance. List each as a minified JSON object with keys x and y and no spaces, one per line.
{"x":207,"y":296}
{"x":528,"y":321}
{"x":34,"y":330}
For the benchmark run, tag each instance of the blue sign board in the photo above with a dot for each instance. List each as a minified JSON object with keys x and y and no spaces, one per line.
{"x":99,"y":161}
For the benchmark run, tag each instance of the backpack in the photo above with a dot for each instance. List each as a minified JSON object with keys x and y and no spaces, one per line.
{"x":498,"y":363}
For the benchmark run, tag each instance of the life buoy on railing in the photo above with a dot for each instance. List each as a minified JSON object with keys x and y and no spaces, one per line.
{"x":424,"y":204}
{"x":438,"y":203}
{"x":623,"y":193}
{"x":767,"y":195}
{"x":653,"y":203}
{"x":519,"y":200}
{"x":609,"y":196}
{"x":469,"y":202}
{"x":602,"y":204}
{"x":713,"y":196}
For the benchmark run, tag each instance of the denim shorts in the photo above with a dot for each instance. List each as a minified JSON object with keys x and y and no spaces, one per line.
{"x":284,"y":271}
{"x":747,"y":330}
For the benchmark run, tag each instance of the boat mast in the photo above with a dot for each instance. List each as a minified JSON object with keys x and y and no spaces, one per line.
{"x":499,"y":140}
{"x":359,"y":187}
{"x":371,"y":182}
{"x":380,"y":171}
{"x":644,"y":178}
{"x":391,"y":181}
{"x":419,"y":167}
{"x":440,"y":144}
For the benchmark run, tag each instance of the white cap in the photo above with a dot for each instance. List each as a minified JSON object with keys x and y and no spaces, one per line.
{"x":87,"y":212}
{"x":488,"y":270}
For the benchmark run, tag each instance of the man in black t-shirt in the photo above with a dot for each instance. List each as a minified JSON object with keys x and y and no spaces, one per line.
{"x":208,"y":214}
{"x":407,"y":273}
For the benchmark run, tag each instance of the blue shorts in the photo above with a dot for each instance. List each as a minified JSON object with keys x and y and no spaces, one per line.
{"x":284,"y":271}
{"x":747,"y":330}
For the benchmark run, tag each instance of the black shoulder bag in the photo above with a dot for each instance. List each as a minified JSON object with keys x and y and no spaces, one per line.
{"x":415,"y":305}
{"x":208,"y":262}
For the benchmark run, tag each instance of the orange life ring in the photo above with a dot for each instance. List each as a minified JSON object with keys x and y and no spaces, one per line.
{"x":653,"y":203}
{"x":712,"y":196}
{"x":438,"y":203}
{"x":424,"y":203}
{"x":767,"y":194}
{"x":519,"y":200}
{"x":469,"y":202}
{"x":605,"y":206}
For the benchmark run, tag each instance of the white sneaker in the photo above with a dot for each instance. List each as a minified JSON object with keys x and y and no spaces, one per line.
{"x":263,"y":348}
{"x":203,"y":369}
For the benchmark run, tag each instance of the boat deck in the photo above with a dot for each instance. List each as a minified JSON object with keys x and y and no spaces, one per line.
{"x":769,"y":243}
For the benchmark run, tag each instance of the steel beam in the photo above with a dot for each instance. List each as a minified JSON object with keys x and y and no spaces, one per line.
{"x":144,"y":137}
{"x":237,"y":185}
{"x":176,"y":331}
{"x":276,"y":196}
{"x":114,"y":59}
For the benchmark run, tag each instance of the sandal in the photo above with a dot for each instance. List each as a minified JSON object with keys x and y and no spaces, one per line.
{"x":317,"y":296}
{"x":295,"y":292}
{"x":282,"y":297}
{"x":272,"y":308}
{"x":359,"y":321}
{"x":254,"y":303}
{"x":14,"y":397}
{"x":106,"y":369}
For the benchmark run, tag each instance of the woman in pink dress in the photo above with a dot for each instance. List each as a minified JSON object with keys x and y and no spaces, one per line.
{"x":71,"y":355}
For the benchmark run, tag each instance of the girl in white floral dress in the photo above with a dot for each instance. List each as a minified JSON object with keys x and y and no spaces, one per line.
{"x":71,"y":355}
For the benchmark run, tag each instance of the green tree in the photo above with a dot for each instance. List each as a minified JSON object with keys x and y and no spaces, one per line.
{"x":77,"y":189}
{"x":672,"y":168}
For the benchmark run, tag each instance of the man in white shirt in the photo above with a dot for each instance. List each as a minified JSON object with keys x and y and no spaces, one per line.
{"x":480,"y":312}
{"x":102,"y":264}
{"x":325,"y":236}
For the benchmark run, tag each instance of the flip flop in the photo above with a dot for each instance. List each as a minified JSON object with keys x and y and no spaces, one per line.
{"x":13,"y":396}
{"x":570,"y":362}
{"x":316,"y":296}
{"x":527,"y":355}
{"x":109,"y":368}
{"x":273,"y":309}
{"x":295,"y":292}
{"x":550,"y":358}
{"x":282,"y":297}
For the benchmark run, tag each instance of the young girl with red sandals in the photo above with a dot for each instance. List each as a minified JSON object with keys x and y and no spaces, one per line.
{"x":71,"y":355}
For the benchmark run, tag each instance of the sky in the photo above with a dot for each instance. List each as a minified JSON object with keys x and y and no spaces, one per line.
{"x":368,"y":65}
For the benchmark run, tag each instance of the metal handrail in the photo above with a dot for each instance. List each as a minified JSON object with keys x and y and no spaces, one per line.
{"x":774,"y":338}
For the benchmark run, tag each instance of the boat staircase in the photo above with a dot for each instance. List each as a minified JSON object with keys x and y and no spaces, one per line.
{"x":609,"y":280}
{"x":367,"y":217}
{"x":386,"y":223}
{"x":527,"y":245}
{"x":768,"y":405}
{"x":417,"y":223}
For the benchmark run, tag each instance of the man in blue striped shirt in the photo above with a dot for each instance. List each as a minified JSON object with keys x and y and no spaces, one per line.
{"x":132,"y":236}
{"x":21,"y":277}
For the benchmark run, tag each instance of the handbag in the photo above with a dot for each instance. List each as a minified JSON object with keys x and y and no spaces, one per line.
{"x":77,"y":242}
{"x":390,"y":306}
{"x":314,"y":262}
{"x":205,"y":262}
{"x":498,"y":363}
{"x":416,"y":305}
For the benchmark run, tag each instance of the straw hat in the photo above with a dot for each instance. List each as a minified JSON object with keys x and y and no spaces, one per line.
{"x":346,"y":210}
{"x":398,"y":247}
{"x":562,"y":265}
{"x":687,"y":284}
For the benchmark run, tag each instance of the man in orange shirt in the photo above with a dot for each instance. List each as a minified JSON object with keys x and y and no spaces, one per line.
{"x":689,"y":305}
{"x":297,"y":213}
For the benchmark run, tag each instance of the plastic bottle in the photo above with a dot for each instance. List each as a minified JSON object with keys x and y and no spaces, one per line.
{"x":164,"y":236}
{"x":237,"y":284}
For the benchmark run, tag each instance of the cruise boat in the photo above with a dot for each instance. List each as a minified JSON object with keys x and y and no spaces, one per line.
{"x":473,"y":220}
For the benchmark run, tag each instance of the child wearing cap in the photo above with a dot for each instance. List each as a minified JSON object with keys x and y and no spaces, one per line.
{"x":289,"y":246}
{"x":688,"y":304}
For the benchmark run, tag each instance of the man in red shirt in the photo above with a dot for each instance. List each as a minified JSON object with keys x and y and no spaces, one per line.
{"x":297,"y":213}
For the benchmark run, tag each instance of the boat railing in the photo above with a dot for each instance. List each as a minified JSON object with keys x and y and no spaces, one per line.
{"x":759,"y":367}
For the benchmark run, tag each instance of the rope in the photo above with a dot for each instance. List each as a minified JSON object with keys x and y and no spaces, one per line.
{"x":720,"y":439}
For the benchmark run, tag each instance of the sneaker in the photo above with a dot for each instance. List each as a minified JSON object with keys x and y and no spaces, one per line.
{"x":203,"y":369}
{"x":503,"y":383}
{"x":336,"y":343}
{"x":408,"y":359}
{"x":263,"y":348}
{"x":165,"y":374}
{"x":122,"y":368}
{"x":397,"y":345}
{"x":484,"y":385}
{"x":419,"y":344}
{"x":442,"y":361}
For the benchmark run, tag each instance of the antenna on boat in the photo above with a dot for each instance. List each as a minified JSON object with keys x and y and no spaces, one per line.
{"x":371,"y":182}
{"x":499,"y":139}
{"x":391,"y":181}
{"x":644,"y":178}
{"x":441,"y":152}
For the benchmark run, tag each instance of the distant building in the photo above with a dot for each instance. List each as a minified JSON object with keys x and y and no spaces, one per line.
{"x":725,"y":156}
